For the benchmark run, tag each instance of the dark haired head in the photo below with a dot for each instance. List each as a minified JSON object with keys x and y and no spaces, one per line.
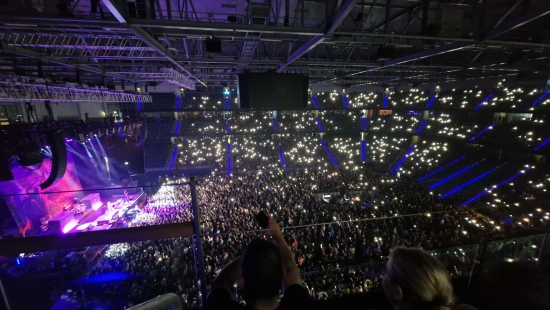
{"x":261,"y":270}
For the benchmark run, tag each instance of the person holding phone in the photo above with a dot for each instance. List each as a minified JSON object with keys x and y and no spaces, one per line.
{"x":264,"y":270}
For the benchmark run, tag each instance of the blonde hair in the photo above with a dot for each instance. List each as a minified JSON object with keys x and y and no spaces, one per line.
{"x":425,"y":283}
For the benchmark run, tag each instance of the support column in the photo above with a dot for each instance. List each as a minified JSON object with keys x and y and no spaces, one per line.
{"x":345,"y":99}
{"x":5,"y":297}
{"x":364,"y":147}
{"x":199,"y":261}
{"x":364,"y":136}
{"x":228,"y":153}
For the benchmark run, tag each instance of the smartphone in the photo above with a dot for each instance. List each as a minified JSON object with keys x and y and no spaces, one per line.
{"x":262,"y":219}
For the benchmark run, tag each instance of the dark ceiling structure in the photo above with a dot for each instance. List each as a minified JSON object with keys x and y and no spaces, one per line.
{"x":208,"y":43}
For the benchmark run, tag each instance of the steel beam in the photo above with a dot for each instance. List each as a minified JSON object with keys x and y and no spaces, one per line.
{"x":510,"y":10}
{"x":151,"y":41}
{"x":518,"y":22}
{"x":337,"y":19}
{"x":117,"y":9}
{"x":428,"y":53}
{"x":163,"y":27}
{"x":302,"y":50}
{"x":225,"y":27}
{"x":385,"y":23}
{"x":91,"y":238}
{"x":334,"y":23}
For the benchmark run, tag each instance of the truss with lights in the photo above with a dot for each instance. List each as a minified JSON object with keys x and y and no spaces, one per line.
{"x":83,"y":45}
{"x":167,"y":75}
{"x":179,"y":79}
{"x":20,"y":92}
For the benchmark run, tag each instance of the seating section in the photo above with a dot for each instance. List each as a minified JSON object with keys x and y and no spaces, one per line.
{"x":155,"y":156}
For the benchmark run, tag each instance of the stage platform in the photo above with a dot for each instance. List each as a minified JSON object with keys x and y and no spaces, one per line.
{"x":105,"y":217}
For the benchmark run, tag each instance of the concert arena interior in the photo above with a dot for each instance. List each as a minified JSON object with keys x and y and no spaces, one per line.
{"x":397,"y":149}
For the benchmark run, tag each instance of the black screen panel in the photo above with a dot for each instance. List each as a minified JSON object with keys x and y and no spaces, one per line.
{"x":273,"y":91}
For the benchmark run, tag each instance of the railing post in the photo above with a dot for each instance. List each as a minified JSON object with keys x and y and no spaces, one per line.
{"x":473,"y":265}
{"x":4,"y":295}
{"x":541,"y":247}
{"x":199,"y":261}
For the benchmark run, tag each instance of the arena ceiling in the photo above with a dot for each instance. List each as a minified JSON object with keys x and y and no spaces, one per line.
{"x":346,"y":42}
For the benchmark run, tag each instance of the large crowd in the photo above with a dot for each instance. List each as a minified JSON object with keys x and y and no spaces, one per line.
{"x":340,"y":223}
{"x":332,"y":238}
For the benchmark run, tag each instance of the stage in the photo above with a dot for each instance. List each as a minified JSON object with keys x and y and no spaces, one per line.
{"x":97,"y":215}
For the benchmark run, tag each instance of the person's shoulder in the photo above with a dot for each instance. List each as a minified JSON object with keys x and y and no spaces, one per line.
{"x":220,"y":299}
{"x":295,"y":297}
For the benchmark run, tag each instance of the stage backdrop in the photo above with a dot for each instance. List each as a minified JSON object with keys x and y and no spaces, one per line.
{"x":28,"y":203}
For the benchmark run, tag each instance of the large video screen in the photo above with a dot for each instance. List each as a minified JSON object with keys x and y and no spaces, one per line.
{"x":273,"y":91}
{"x":28,"y":203}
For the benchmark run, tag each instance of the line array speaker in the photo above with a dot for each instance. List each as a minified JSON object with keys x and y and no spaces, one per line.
{"x":59,"y":159}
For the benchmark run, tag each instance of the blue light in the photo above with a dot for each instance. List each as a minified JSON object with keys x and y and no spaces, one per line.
{"x":542,"y":144}
{"x":363,"y":151}
{"x":228,"y":158}
{"x":540,"y":98}
{"x":461,"y":171}
{"x":319,"y":124}
{"x":105,"y":277}
{"x":403,"y":159}
{"x":18,"y":262}
{"x":346,"y":104}
{"x":227,"y":103}
{"x":178,"y":124}
{"x":178,"y":105}
{"x":481,"y":132}
{"x":431,"y":101}
{"x":385,"y":102}
{"x":173,"y":159}
{"x":139,"y":104}
{"x":440,"y":168}
{"x":476,"y":197}
{"x":456,"y":189}
{"x":419,"y":130}
{"x":314,"y":100}
{"x":484,"y":101}
{"x":364,"y":124}
{"x":330,"y":154}
{"x":282,"y":157}
{"x":120,"y":133}
{"x":227,"y":127}
{"x":275,"y":125}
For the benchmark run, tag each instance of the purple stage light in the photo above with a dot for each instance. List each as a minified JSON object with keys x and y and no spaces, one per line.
{"x":70,"y":225}
{"x":96,"y":205}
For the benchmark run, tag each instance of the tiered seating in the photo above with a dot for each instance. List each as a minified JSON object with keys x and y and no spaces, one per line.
{"x":160,"y":127}
{"x":156,"y":155}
